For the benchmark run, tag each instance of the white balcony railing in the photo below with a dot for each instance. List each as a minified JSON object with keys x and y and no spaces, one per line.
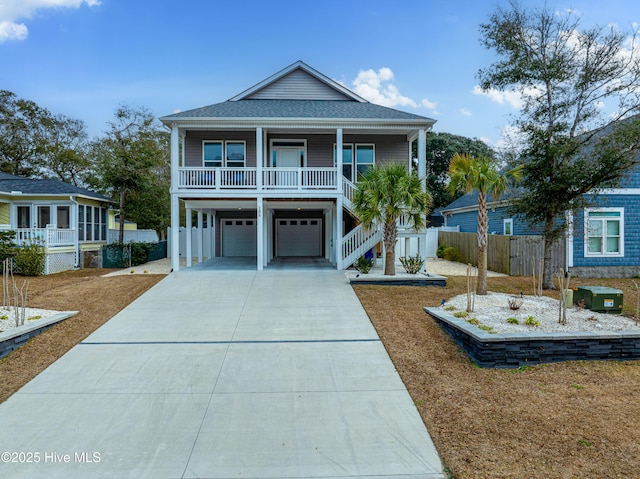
{"x":245,"y":178}
{"x":47,"y":237}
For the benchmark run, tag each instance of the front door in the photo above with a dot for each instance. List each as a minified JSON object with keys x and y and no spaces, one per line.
{"x":286,"y":157}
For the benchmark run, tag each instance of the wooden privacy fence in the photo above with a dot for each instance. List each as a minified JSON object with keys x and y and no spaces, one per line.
{"x":510,"y":255}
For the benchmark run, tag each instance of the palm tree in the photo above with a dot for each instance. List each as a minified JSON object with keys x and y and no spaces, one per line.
{"x":467,"y":173}
{"x":384,"y":195}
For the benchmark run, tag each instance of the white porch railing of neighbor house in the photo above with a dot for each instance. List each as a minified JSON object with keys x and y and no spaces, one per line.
{"x":47,"y":237}
{"x":245,"y":178}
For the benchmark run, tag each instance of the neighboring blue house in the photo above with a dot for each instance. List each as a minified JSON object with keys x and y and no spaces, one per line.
{"x":608,"y":247}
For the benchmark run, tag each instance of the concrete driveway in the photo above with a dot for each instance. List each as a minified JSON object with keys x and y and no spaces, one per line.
{"x":223,"y":374}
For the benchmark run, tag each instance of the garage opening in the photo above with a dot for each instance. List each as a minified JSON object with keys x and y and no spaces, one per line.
{"x":298,"y":237}
{"x":239,"y":237}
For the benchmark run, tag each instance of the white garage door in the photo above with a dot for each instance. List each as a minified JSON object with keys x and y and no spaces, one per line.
{"x":239,"y":238}
{"x":299,"y":237}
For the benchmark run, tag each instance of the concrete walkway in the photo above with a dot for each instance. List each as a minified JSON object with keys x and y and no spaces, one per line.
{"x":223,"y":374}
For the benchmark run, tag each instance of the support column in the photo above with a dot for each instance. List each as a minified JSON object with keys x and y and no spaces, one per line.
{"x":200,"y":246}
{"x":259,"y":159}
{"x":260,"y":239}
{"x":339,"y":233}
{"x":339,"y":160}
{"x":422,"y":153}
{"x":213,"y":234}
{"x":175,"y":200}
{"x":175,"y":232}
{"x":188,"y":239}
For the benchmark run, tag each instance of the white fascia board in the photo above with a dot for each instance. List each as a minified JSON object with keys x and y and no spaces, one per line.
{"x":465,"y":209}
{"x":239,"y":123}
{"x":615,"y":191}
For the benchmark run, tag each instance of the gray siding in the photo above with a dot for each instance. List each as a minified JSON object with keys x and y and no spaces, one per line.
{"x":297,"y":85}
{"x":388,"y":148}
{"x":194,"y":139}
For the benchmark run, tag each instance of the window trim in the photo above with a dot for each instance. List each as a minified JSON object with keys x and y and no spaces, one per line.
{"x":604,"y":254}
{"x":224,"y":144}
{"x":355,"y":157}
{"x":505,"y":222}
{"x":302,"y":144}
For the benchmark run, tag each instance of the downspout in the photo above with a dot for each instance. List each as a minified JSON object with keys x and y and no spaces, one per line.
{"x":77,"y":243}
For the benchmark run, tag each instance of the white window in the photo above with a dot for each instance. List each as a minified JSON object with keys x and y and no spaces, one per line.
{"x":216,"y":154}
{"x":604,"y":232}
{"x":507,"y":227}
{"x":365,"y":159}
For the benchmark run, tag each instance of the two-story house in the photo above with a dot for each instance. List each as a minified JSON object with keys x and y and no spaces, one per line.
{"x":262,"y":173}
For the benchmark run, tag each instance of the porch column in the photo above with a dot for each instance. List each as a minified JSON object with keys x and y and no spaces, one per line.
{"x":200,"y":247}
{"x":422,"y":153}
{"x":175,"y":201}
{"x":188,"y":238}
{"x":339,"y":233}
{"x":260,"y":239}
{"x":259,"y":158}
{"x":212,"y":224}
{"x":339,"y":162}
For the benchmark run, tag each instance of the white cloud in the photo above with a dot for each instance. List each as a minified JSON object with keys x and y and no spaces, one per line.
{"x":465,"y":112}
{"x":13,"y":10}
{"x":375,"y":86}
{"x":511,"y":98}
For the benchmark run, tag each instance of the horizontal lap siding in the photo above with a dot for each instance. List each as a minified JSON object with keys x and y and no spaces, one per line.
{"x":631,"y":205}
{"x":297,"y":85}
{"x":193,"y":145}
{"x":388,"y":148}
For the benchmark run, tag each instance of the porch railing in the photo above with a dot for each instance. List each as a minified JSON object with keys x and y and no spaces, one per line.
{"x":47,"y":237}
{"x":245,"y":178}
{"x":217,"y":178}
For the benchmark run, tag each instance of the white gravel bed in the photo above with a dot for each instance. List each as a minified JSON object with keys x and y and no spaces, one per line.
{"x":7,"y":316}
{"x":493,"y":310}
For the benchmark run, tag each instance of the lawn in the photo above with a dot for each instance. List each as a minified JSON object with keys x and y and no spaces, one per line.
{"x":565,"y":420}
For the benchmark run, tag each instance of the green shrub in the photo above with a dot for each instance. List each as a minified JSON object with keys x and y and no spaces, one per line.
{"x":440,"y":250}
{"x":532,"y":321}
{"x":513,"y":321}
{"x":473,"y":321}
{"x":412,"y":264}
{"x":29,"y":260}
{"x":451,"y":254}
{"x":140,"y":252}
{"x":461,"y":314}
{"x":364,"y":264}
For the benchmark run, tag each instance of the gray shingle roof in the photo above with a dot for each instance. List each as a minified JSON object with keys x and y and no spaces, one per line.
{"x":9,"y":183}
{"x":326,"y":109}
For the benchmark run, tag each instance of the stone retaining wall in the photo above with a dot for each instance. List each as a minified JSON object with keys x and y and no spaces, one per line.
{"x":514,"y":350}
{"x":16,"y":337}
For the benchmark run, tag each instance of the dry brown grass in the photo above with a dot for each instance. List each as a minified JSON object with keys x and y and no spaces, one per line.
{"x":97,"y":300}
{"x":566,"y":420}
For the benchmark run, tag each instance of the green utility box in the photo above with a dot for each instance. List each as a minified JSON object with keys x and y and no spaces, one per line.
{"x":599,"y":298}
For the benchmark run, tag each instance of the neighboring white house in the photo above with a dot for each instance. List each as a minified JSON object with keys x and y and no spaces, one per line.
{"x":262,"y":173}
{"x":70,"y":222}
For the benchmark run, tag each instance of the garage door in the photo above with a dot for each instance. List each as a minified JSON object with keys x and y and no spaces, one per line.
{"x":239,"y":238}
{"x":299,"y":237}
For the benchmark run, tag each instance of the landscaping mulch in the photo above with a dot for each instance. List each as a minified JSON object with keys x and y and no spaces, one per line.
{"x":565,"y":420}
{"x":96,"y":299}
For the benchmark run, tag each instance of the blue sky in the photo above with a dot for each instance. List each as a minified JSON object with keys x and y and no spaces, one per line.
{"x":84,"y":58}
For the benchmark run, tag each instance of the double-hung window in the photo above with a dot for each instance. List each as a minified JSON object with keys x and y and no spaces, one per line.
{"x":365,"y":159}
{"x":212,"y":154}
{"x":216,"y":154}
{"x":605,"y":232}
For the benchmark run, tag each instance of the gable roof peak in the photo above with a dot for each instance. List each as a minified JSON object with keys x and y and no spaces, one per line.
{"x":312,"y":72}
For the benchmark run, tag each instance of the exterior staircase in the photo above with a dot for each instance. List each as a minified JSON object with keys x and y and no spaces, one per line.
{"x":359,"y":240}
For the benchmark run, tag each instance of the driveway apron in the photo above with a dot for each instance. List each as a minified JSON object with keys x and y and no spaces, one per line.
{"x":223,"y":374}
